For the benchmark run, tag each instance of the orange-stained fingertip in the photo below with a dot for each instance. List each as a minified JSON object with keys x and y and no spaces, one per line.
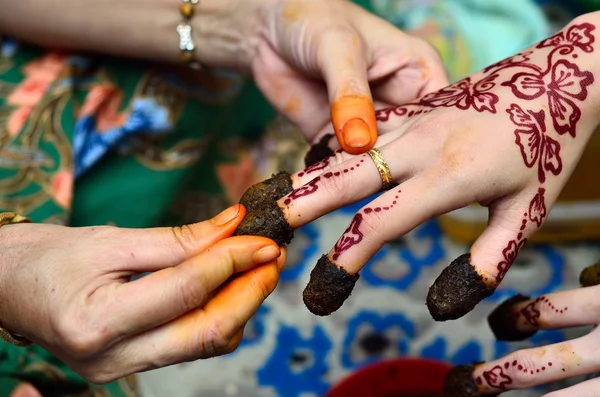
{"x":354,"y":121}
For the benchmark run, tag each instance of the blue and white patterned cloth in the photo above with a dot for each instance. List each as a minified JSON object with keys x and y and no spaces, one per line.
{"x":289,"y":352}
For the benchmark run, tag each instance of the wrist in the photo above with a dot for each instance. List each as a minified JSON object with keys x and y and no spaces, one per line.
{"x":226,"y":32}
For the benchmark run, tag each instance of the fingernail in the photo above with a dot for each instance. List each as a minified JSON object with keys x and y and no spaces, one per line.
{"x":226,"y":216}
{"x":356,"y":133}
{"x":266,"y":254}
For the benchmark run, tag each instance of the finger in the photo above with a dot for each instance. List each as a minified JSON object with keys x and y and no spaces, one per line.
{"x":212,"y":330}
{"x":416,"y":69}
{"x":167,"y":294}
{"x":388,"y":217}
{"x":341,"y":180}
{"x":588,"y":388}
{"x":526,"y":368}
{"x":472,"y":277}
{"x":300,"y":99}
{"x":343,"y":63}
{"x":148,"y":250}
{"x":519,"y":317}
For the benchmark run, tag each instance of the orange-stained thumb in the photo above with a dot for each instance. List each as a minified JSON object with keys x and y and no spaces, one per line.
{"x":353,"y":119}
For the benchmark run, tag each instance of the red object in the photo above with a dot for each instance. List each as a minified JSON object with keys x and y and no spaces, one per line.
{"x":396,"y":378}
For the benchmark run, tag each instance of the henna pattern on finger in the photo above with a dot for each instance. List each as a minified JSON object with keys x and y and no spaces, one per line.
{"x":459,"y":381}
{"x":330,"y":284}
{"x":460,"y":287}
{"x":313,"y":186}
{"x":536,"y":214}
{"x":352,"y":236}
{"x":504,"y":321}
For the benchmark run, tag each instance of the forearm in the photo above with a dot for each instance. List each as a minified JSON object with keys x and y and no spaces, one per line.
{"x":143,"y":29}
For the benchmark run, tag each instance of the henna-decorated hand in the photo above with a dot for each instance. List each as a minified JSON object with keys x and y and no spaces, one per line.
{"x":507,"y":137}
{"x":519,"y":318}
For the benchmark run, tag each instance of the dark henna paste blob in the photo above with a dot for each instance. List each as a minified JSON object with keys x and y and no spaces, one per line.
{"x":503,"y":321}
{"x":329,"y":286}
{"x":456,"y":291}
{"x":590,"y":276}
{"x":319,"y":151}
{"x":263,"y":216}
{"x":460,"y":383}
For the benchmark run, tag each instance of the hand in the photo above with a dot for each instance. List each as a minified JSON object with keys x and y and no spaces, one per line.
{"x":69,"y":290}
{"x":317,"y":61}
{"x":519,"y":318}
{"x":508,"y":138}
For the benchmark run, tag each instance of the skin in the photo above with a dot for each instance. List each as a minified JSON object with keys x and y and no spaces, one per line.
{"x":478,"y":141}
{"x":88,"y":313}
{"x":320,"y":64}
{"x":537,"y":366}
{"x":292,"y":50}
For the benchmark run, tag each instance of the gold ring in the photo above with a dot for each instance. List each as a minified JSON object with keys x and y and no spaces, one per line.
{"x":382,"y":168}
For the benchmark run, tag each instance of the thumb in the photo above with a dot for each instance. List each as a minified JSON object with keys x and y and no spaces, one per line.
{"x":153,"y":249}
{"x":343,"y":63}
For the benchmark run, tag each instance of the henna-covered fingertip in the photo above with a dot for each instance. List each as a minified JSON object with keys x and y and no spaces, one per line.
{"x":457,"y":290}
{"x":503,"y":321}
{"x":264,"y":217}
{"x":590,"y":276}
{"x":459,"y":382}
{"x":329,"y":286}
{"x":319,"y":151}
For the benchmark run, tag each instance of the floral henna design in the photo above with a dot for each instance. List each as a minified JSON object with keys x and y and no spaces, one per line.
{"x":537,"y":208}
{"x":465,"y":95}
{"x":562,"y":83}
{"x":496,"y":378}
{"x":577,"y":36}
{"x":350,"y":238}
{"x":531,"y":312}
{"x":321,"y":165}
{"x":353,"y":235}
{"x":535,"y":145}
{"x":312,"y":186}
{"x":536,"y":214}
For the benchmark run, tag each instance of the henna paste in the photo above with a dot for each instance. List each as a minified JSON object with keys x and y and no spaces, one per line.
{"x":319,"y":151}
{"x":329,"y":286}
{"x":457,"y":290}
{"x":263,"y":216}
{"x":503,"y":321}
{"x":460,"y":383}
{"x":590,"y":276}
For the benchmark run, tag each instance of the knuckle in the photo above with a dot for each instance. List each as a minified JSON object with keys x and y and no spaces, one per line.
{"x":77,"y":340}
{"x":214,"y":340}
{"x":190,"y":292}
{"x":525,"y":358}
{"x":373,"y":223}
{"x":184,"y":238}
{"x":337,"y":183}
